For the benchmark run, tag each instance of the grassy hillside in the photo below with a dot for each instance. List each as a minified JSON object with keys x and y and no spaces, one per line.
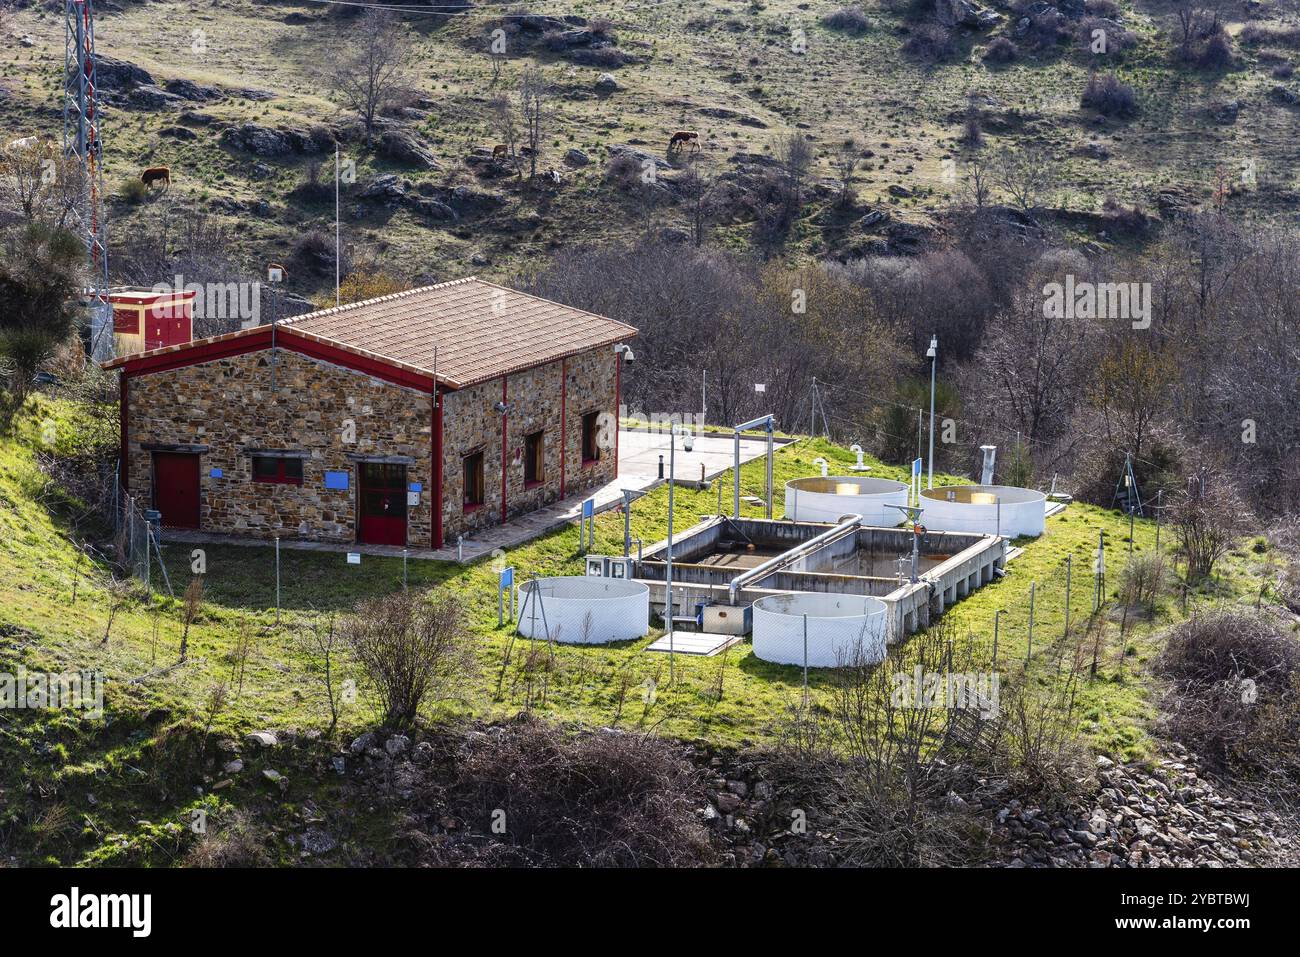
{"x":150,"y":758}
{"x":740,"y":74}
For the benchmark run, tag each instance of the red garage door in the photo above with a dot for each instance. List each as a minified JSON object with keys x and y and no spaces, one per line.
{"x":176,"y":488}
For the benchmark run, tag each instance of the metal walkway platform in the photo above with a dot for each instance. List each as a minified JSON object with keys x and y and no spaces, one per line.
{"x":695,"y":643}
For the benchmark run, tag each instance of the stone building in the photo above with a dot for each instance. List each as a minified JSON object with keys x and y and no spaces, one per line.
{"x":327,"y":427}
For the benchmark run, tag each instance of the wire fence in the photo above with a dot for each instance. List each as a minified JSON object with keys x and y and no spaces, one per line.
{"x":138,"y":544}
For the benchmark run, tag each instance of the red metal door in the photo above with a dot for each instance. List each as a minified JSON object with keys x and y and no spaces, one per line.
{"x":383,"y":504}
{"x":176,"y":488}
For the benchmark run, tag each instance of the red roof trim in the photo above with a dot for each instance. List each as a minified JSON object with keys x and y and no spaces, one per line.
{"x":258,"y":340}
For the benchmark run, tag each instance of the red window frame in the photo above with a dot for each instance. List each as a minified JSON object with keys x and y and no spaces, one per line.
{"x":282,"y":474}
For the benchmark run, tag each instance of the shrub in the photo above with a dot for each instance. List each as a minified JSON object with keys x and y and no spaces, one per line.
{"x":1102,"y":8}
{"x":1144,"y":579}
{"x":1117,"y":39}
{"x":1110,"y":96}
{"x":1217,"y":52}
{"x":414,"y":647}
{"x":930,"y":43}
{"x":1001,"y":50}
{"x":1207,"y":518}
{"x":133,"y":191}
{"x":1234,"y":692}
{"x":1256,"y":35}
{"x":1283,"y":71}
{"x":594,"y":799}
{"x":848,"y":19}
{"x":240,"y":842}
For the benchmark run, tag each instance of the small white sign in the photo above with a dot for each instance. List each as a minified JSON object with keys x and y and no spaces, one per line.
{"x":412,"y":498}
{"x":760,"y":386}
{"x":354,"y":558}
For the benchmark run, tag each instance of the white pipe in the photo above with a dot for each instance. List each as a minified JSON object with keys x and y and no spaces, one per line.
{"x":758,"y":571}
{"x":823,"y":463}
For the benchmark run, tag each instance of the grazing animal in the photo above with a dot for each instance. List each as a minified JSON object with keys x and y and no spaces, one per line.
{"x":156,"y":174}
{"x":26,"y":142}
{"x":500,"y":151}
{"x":684,"y":138}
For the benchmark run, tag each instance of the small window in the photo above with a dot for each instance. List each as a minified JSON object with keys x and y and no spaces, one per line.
{"x":590,"y":432}
{"x":473,"y":465}
{"x":277,"y":470}
{"x":534,"y":459}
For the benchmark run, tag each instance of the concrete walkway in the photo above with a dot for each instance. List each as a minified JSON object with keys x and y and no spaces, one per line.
{"x":638,"y":470}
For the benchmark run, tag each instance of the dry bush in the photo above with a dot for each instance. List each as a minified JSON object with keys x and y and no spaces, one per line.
{"x":848,"y":19}
{"x":930,"y":43}
{"x":1036,"y":742}
{"x":602,"y":799}
{"x":1234,"y":692}
{"x":1001,"y":50}
{"x":1216,"y":54}
{"x":1109,"y":95}
{"x":1144,"y":579}
{"x":415,"y":647}
{"x":240,"y":842}
{"x":1207,"y":519}
{"x":1255,"y":34}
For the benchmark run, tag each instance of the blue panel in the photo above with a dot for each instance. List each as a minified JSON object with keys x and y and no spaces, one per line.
{"x":507,"y":578}
{"x":336,"y":480}
{"x":417,"y":486}
{"x":216,"y":473}
{"x":588,"y":508}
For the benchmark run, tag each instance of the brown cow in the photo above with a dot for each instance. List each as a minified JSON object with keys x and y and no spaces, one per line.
{"x":156,"y":174}
{"x":684,"y":138}
{"x":500,"y":151}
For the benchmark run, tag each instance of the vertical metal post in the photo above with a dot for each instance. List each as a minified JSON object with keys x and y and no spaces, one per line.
{"x":1159,"y":492}
{"x":997,"y":501}
{"x":403,"y":569}
{"x":735,"y":505}
{"x":805,"y":661}
{"x":277,"y":579}
{"x":997,"y":615}
{"x":1068,"y":565}
{"x":337,"y":227}
{"x":1130,"y":531}
{"x":934,"y":359}
{"x":669,"y":609}
{"x":1030,"y":651}
{"x":627,"y":523}
{"x":770,"y":490}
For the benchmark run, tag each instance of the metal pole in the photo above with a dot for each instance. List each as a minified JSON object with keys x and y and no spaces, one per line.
{"x":337,"y":228}
{"x":805,"y":661}
{"x":735,"y":505}
{"x":1030,"y":651}
{"x":933,"y":361}
{"x":997,"y":615}
{"x":403,"y":569}
{"x":1159,"y":492}
{"x":997,"y":501}
{"x":1130,"y":531}
{"x":669,"y":610}
{"x":277,"y":579}
{"x":769,"y":468}
{"x":627,"y":523}
{"x":1068,"y":565}
{"x":704,"y":396}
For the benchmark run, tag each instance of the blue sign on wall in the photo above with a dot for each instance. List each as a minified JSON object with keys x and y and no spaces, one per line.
{"x":417,"y":487}
{"x":216,"y":473}
{"x":336,"y":480}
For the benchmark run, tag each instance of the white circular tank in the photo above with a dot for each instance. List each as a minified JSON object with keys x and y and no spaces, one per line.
{"x":827,"y":499}
{"x":577,"y":610}
{"x":975,"y":508}
{"x":842,"y":629}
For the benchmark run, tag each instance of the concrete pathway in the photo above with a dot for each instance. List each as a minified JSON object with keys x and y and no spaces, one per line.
{"x":638,"y":470}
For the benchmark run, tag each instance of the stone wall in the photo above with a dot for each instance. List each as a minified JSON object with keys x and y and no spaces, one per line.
{"x":229,"y":406}
{"x":471,"y":423}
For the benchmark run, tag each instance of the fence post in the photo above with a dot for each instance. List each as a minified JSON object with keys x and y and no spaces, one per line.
{"x":996,"y":616}
{"x":1068,"y":569}
{"x":805,"y":661}
{"x":277,"y":579}
{"x":1029,"y":652}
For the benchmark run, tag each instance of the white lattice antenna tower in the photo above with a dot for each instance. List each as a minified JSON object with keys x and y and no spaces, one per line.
{"x":83,"y":144}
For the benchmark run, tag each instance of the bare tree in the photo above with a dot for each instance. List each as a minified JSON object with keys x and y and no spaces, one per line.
{"x":190,"y":609}
{"x":1207,"y":518}
{"x":978,"y":183}
{"x":794,"y":154}
{"x":505,"y":123}
{"x":698,"y":187}
{"x":414,"y":646}
{"x":845,"y":163}
{"x":320,"y":645}
{"x":535,"y":105}
{"x":372,"y":67}
{"x":1026,"y":175}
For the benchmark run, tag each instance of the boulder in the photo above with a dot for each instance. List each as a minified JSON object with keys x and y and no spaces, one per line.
{"x":119,"y":75}
{"x":363,"y":743}
{"x":153,"y":98}
{"x":576,"y":157}
{"x":397,"y":744}
{"x":263,"y":739}
{"x":402,"y":147}
{"x":189,"y":90}
{"x":606,"y":83}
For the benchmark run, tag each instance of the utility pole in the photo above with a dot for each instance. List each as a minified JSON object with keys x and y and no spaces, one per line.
{"x":337,"y":228}
{"x":933,"y":353}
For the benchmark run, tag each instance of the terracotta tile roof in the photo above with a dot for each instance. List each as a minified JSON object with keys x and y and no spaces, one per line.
{"x":479,"y":330}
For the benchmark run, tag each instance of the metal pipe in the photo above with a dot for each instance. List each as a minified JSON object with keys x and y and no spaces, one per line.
{"x":758,"y":571}
{"x":770,"y":421}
